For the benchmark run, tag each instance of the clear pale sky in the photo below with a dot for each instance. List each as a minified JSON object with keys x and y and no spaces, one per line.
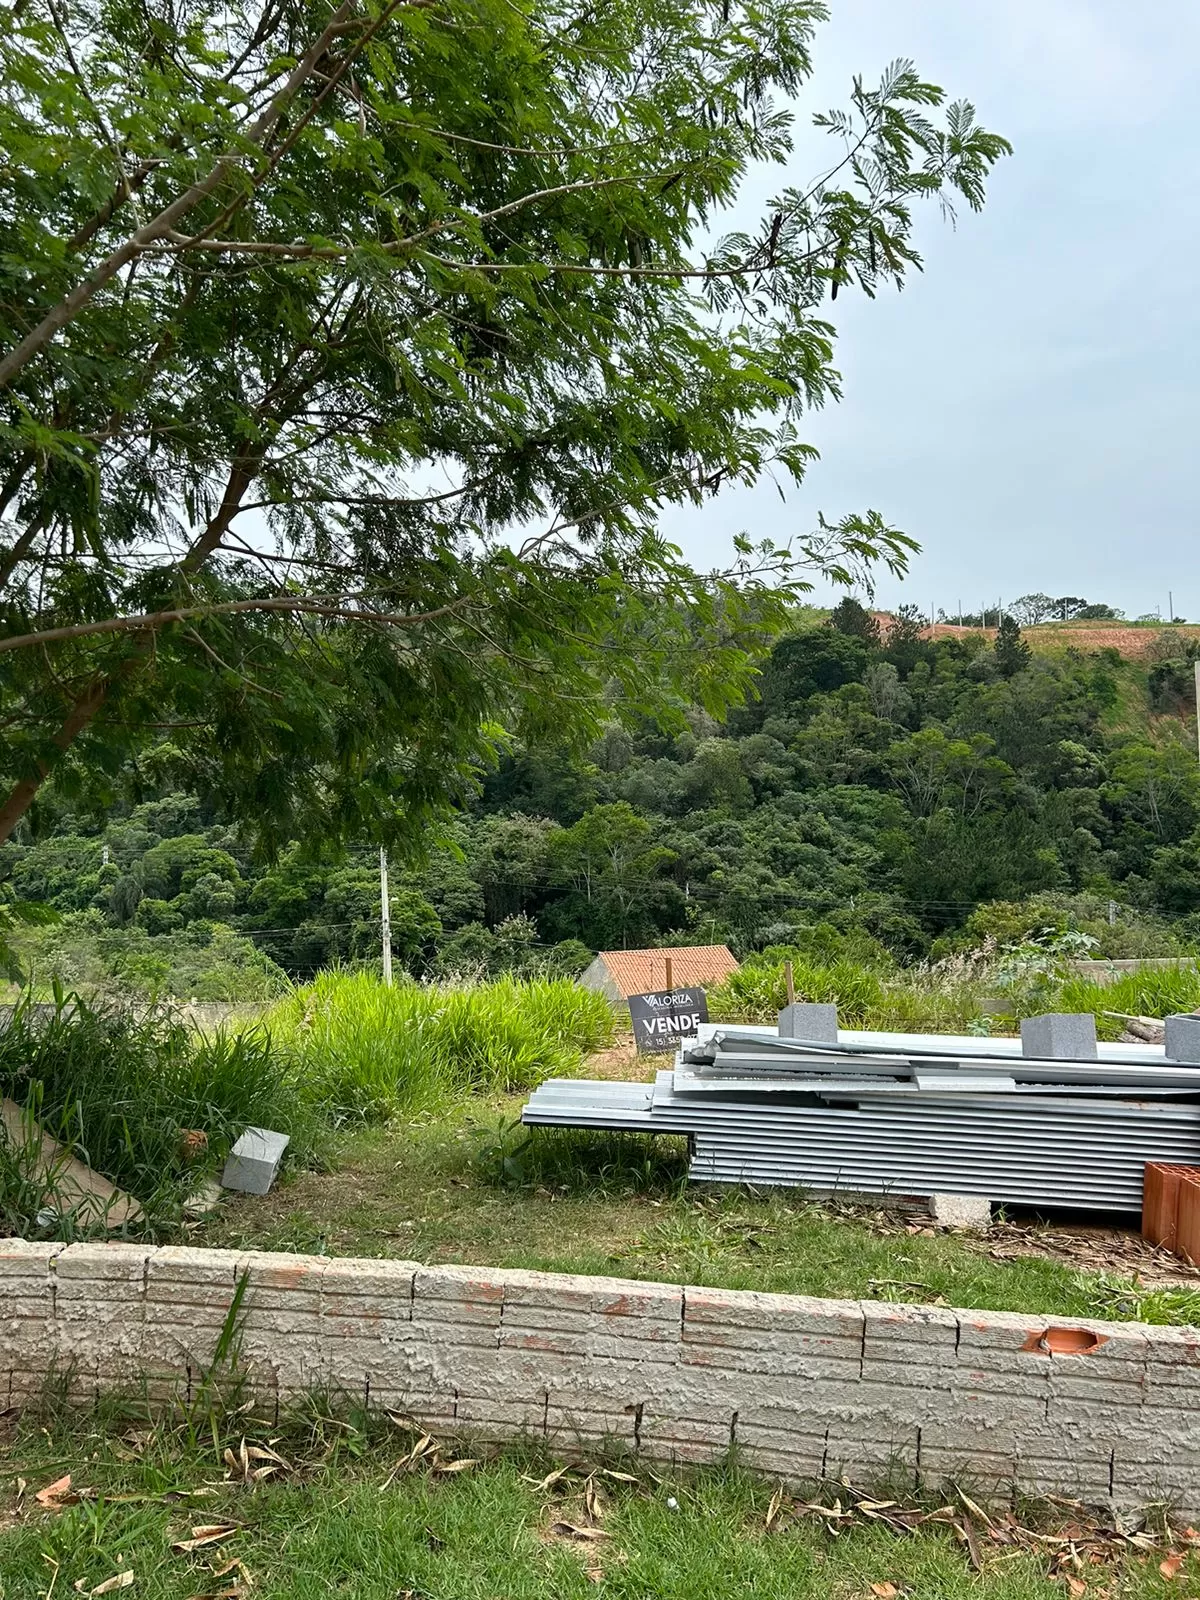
{"x":1027,"y":408}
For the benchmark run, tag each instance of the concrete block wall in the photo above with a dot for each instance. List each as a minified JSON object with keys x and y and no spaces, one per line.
{"x":801,"y":1387}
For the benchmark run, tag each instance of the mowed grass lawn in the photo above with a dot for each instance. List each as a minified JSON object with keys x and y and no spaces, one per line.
{"x":465,"y":1186}
{"x":349,"y":1512}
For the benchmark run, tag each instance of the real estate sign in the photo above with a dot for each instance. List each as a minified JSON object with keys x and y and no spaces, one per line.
{"x":661,"y":1019}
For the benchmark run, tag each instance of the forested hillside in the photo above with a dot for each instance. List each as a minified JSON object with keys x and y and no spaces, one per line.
{"x":883,"y":786}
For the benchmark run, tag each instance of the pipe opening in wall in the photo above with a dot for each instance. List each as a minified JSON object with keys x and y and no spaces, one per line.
{"x":1064,"y":1342}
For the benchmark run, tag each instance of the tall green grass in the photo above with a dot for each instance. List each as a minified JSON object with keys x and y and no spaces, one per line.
{"x":362,"y":1050}
{"x":1154,"y":992}
{"x":121,"y":1088}
{"x":953,"y":995}
{"x":758,"y":991}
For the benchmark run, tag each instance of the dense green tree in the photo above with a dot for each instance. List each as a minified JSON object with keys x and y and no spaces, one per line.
{"x":617,"y":875}
{"x":1012,"y":653}
{"x":1061,"y":783}
{"x":348,"y":353}
{"x":851,"y":617}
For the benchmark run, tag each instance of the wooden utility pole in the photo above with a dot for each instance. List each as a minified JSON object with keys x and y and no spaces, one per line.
{"x":385,"y":917}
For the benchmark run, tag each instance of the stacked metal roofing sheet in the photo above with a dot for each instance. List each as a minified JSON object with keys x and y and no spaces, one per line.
{"x":906,"y":1114}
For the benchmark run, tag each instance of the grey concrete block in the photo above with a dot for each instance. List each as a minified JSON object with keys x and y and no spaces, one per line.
{"x":803,"y":1021}
{"x":960,"y":1210}
{"x":1183,"y":1039}
{"x":254,"y":1161}
{"x":1060,"y":1036}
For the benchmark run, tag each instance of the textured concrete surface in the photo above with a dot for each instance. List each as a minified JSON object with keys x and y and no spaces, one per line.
{"x":1060,"y":1036}
{"x":253,"y":1162}
{"x":960,"y":1210}
{"x":805,"y":1020}
{"x":1183,"y":1039}
{"x":1100,"y":1411}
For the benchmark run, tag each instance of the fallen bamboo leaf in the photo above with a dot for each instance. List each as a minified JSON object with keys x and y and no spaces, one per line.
{"x":550,"y":1479}
{"x":593,"y":1500}
{"x":972,"y":1544}
{"x":885,"y":1591}
{"x":619,"y":1477}
{"x":775,"y":1507}
{"x":975,"y":1510}
{"x":119,"y":1580}
{"x":570,"y":1530}
{"x":1169,"y":1567}
{"x":54,"y":1493}
{"x":206,"y":1533}
{"x":241,"y":1585}
{"x":445,"y":1468}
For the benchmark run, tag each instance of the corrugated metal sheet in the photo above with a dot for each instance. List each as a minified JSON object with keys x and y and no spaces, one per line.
{"x":907,"y":1115}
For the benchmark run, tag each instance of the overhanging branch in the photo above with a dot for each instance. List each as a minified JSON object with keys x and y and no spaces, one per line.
{"x":348,"y":608}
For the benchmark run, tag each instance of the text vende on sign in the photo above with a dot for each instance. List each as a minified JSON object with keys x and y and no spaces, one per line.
{"x":662,"y":1018}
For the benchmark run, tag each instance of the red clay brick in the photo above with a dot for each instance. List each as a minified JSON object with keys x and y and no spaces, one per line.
{"x":1160,"y":1200}
{"x":1187,"y":1228}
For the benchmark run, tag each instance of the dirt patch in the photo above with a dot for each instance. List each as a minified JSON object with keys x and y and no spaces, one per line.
{"x":1121,"y":1252}
{"x":620,"y":1063}
{"x":1130,"y":641}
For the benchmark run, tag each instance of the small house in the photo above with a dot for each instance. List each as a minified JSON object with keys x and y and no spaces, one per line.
{"x":620,"y":973}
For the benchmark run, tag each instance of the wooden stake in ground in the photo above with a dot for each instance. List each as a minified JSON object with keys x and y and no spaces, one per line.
{"x":670,"y":974}
{"x":789,"y":979}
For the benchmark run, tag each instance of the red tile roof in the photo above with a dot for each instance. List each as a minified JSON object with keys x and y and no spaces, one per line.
{"x":643,"y":971}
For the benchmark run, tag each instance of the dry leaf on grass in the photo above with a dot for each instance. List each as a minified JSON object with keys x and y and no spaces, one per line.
{"x":594,"y":1501}
{"x":119,"y":1580}
{"x":1169,"y":1567}
{"x":570,"y":1530}
{"x":54,"y":1494}
{"x":975,"y":1510}
{"x":252,"y":1463}
{"x":1076,"y":1586}
{"x":550,"y":1479}
{"x":884,"y":1591}
{"x":206,"y":1533}
{"x":619,"y":1477}
{"x":242,"y":1582}
{"x":444,"y":1468}
{"x":967,"y":1533}
{"x":775,"y":1507}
